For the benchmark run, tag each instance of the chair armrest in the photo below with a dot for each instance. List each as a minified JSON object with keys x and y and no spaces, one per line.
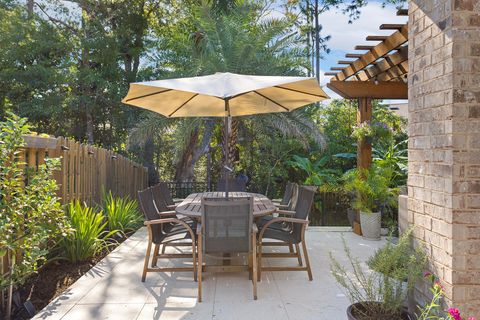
{"x":281,"y":206}
{"x":276,"y":200}
{"x":178,"y":200}
{"x":170,"y":213}
{"x":149,"y":224}
{"x":282,"y":219}
{"x":286,"y":212}
{"x":171,"y":206}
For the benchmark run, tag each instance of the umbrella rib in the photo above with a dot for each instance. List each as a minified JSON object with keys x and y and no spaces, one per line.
{"x":303,"y":92}
{"x":265,"y":97}
{"x":183,"y":104}
{"x":148,"y":95}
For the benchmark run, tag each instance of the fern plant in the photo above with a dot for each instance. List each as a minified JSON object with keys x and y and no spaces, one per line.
{"x":90,"y":235}
{"x":122,"y":214}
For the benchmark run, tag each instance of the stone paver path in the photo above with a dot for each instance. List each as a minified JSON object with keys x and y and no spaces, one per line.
{"x":113,"y":290}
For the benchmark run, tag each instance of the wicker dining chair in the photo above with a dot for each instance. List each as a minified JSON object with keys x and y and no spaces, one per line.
{"x":287,"y":196}
{"x":289,"y":230}
{"x":162,"y":191}
{"x":227,"y":228}
{"x":164,"y":229}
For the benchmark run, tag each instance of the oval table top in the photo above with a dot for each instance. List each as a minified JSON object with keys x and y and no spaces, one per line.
{"x":191,"y":205}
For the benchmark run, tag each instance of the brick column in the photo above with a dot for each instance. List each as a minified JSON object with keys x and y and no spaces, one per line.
{"x":444,"y":145}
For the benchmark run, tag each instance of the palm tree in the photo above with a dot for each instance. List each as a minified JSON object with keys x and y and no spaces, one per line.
{"x":240,"y":40}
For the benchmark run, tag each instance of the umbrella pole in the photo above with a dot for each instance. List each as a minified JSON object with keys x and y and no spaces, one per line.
{"x":225,"y":146}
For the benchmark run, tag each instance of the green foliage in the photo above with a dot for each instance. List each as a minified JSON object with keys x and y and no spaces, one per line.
{"x":30,"y":215}
{"x":364,"y":286}
{"x":317,"y":174}
{"x":371,"y":188}
{"x":122,"y":214}
{"x":90,"y":235}
{"x":400,"y":261}
{"x":393,"y":156}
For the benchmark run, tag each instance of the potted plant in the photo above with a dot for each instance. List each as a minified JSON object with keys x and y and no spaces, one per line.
{"x":400,"y":262}
{"x":371,"y":194}
{"x":371,"y":131}
{"x":379,"y":293}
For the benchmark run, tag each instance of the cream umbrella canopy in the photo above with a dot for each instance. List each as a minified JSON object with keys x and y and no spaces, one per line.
{"x":224,"y":95}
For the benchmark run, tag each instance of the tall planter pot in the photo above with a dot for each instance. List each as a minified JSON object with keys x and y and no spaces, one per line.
{"x":371,"y":224}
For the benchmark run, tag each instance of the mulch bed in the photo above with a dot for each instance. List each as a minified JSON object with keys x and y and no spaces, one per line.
{"x":52,"y":279}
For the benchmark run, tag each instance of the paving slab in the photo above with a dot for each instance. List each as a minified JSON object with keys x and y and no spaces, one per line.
{"x":113,"y":290}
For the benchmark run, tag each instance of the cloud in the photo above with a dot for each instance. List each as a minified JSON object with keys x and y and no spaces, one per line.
{"x":345,"y":36}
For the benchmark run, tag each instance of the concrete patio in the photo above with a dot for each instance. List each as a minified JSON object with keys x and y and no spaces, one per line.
{"x":113,"y":290}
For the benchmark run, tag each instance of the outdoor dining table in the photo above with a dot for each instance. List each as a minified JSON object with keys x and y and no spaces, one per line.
{"x":191,"y":206}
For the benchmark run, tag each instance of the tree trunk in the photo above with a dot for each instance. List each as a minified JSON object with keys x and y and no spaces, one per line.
{"x":317,"y":41}
{"x":193,"y":152}
{"x":30,"y":4}
{"x":148,"y":161}
{"x":233,"y":155}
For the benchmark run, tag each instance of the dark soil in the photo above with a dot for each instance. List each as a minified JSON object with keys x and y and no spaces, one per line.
{"x":52,"y":279}
{"x":359,"y":312}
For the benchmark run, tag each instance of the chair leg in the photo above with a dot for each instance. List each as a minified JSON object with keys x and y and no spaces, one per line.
{"x":194,"y":256}
{"x":299,"y":255}
{"x":250,"y":266}
{"x":254,"y":266}
{"x":147,"y":257}
{"x":155,"y":255}
{"x":307,"y":261}
{"x":163,"y":248}
{"x":290,"y":248}
{"x":259,"y":262}
{"x":200,"y":267}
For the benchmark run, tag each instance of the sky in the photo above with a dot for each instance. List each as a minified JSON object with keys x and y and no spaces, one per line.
{"x":345,"y":36}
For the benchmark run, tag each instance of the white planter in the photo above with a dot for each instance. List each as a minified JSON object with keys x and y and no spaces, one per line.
{"x":371,"y":223}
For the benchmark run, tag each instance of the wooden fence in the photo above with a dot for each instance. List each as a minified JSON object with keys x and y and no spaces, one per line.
{"x":87,"y":171}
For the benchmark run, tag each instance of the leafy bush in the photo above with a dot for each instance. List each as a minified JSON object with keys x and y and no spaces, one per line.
{"x":370,"y":188}
{"x":380,"y":295}
{"x":121,"y":213}
{"x":399,"y":261}
{"x":90,"y":235}
{"x":30,"y":215}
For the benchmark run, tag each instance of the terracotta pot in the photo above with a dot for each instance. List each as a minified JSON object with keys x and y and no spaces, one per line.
{"x":405,"y":315}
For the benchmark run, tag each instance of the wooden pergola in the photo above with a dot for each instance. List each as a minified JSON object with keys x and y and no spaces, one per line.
{"x":380,"y":72}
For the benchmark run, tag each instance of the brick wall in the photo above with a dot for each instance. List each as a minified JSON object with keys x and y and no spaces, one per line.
{"x":444,"y":145}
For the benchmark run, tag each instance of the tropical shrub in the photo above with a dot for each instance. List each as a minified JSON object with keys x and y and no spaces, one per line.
{"x":317,"y":174}
{"x":370,"y":188}
{"x":122,"y":214}
{"x":90,"y":235}
{"x":30,"y":215}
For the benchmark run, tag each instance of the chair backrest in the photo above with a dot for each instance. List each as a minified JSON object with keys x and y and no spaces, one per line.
{"x":287,"y":195}
{"x":227,"y":224}
{"x":294,"y":198}
{"x":145,"y":199}
{"x":160,"y":198}
{"x":234,"y":185}
{"x":306,"y":195}
{"x":163,"y":188}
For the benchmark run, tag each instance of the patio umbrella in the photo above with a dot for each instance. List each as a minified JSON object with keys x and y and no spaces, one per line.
{"x":224,"y":95}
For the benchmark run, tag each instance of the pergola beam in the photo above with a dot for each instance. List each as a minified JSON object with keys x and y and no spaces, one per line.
{"x":362,"y":47}
{"x":368,"y":89}
{"x":390,"y":26}
{"x":353,"y":55}
{"x":394,"y":41}
{"x":376,"y":38}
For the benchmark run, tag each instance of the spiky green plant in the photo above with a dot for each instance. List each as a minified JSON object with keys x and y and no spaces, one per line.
{"x":121,"y":213}
{"x":90,"y":235}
